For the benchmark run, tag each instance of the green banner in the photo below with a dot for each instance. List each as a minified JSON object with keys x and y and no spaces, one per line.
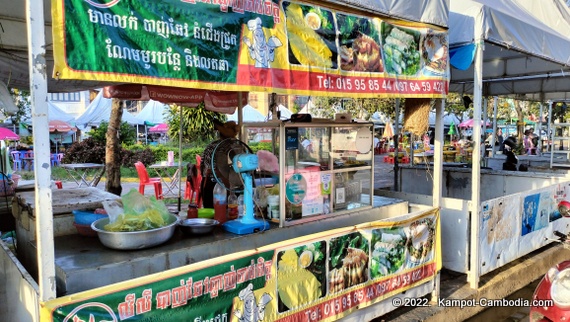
{"x":326,"y":275}
{"x":248,"y":45}
{"x":205,"y":295}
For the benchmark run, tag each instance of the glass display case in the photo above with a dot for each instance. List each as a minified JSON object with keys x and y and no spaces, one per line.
{"x":325,"y":168}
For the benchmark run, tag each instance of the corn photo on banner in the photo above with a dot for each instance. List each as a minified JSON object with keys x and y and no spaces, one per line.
{"x":248,"y":45}
{"x":326,"y":276}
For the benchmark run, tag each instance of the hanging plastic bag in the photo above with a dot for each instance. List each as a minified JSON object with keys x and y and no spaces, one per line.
{"x":139,"y":213}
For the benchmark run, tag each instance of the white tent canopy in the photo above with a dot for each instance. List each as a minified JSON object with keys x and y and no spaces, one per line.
{"x":379,"y":118}
{"x":525,"y":40}
{"x":285,"y":112}
{"x":447,"y":119}
{"x":308,"y":108}
{"x":250,"y":114}
{"x":513,"y":47}
{"x":153,"y":112}
{"x":56,"y":113}
{"x":100,"y":111}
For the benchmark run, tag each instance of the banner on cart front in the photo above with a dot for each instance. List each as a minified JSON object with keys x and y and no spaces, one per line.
{"x":325,"y":276}
{"x":263,"y":45}
{"x":515,"y":225}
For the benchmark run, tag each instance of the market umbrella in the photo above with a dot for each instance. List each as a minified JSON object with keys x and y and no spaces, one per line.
{"x":469,"y":123}
{"x":7,"y":134}
{"x":388,"y":130}
{"x":159,"y":128}
{"x":60,"y":126}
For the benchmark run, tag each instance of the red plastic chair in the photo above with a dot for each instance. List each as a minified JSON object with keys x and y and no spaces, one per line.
{"x":194,"y":180}
{"x":145,"y":180}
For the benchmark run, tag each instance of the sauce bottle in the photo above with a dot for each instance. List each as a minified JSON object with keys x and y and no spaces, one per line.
{"x":220,"y":204}
{"x":192,"y":211}
{"x":232,"y":206}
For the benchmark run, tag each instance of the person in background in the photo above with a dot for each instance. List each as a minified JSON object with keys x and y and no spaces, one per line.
{"x":454,"y":142}
{"x":527,"y":142}
{"x":307,"y":145}
{"x":488,"y":141}
{"x":225,"y":130}
{"x":534,"y":139}
{"x":499,"y":140}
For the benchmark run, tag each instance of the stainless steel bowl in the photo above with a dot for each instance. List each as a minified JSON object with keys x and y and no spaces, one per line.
{"x":134,"y":239}
{"x":198,"y":226}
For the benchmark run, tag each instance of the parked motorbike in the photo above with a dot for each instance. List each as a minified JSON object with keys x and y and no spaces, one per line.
{"x":555,"y":285}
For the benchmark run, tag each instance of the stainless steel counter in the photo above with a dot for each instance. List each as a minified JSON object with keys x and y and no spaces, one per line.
{"x":83,"y":263}
{"x":63,"y":202}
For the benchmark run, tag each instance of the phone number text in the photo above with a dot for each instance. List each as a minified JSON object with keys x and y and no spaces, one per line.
{"x":355,"y":84}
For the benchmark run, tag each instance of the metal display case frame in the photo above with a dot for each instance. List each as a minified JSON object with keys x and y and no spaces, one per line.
{"x":333,"y":163}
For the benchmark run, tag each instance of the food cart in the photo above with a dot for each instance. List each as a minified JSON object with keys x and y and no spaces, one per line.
{"x":312,"y":266}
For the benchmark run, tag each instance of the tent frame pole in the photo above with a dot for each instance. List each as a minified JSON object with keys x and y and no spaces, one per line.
{"x":474,"y":269}
{"x":39,"y":99}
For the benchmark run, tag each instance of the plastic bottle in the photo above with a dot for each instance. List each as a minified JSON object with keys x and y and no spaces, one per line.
{"x":273,"y":206}
{"x":220,"y":203}
{"x":233,"y":206}
{"x":340,"y":192}
{"x":241,"y":206}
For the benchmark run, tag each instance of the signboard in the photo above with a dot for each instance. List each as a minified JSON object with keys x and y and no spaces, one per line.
{"x":515,"y":225}
{"x":259,"y":45}
{"x":291,"y":138}
{"x":325,"y":276}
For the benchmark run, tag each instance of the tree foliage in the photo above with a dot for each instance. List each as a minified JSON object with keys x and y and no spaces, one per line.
{"x":127,"y":133}
{"x":198,"y":123}
{"x":361,"y":108}
{"x":454,"y":104}
{"x":22,"y":100}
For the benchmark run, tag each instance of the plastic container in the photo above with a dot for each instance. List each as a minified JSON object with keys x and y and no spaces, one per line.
{"x":85,"y":230}
{"x":192,"y":211}
{"x":273,"y":206}
{"x":233,"y":206}
{"x":241,"y":207}
{"x":85,"y":217}
{"x":206,"y":213}
{"x":220,"y":204}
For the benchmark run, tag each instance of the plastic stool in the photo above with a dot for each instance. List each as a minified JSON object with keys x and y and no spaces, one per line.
{"x":59,"y":185}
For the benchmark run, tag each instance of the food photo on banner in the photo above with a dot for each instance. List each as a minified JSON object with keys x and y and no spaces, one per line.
{"x":334,"y":272}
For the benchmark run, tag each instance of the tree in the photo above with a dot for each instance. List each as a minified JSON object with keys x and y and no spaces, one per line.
{"x":22,"y":101}
{"x":362,"y":108}
{"x":113,"y":148}
{"x":127,"y":133}
{"x":454,"y":104}
{"x":198,"y":123}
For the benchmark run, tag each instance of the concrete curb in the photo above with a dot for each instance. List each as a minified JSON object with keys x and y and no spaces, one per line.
{"x":495,"y":285}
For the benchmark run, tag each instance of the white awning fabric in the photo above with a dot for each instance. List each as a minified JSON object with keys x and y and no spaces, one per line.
{"x":527,"y":46}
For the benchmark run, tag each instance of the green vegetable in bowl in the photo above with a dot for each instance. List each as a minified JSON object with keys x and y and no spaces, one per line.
{"x":150,"y":219}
